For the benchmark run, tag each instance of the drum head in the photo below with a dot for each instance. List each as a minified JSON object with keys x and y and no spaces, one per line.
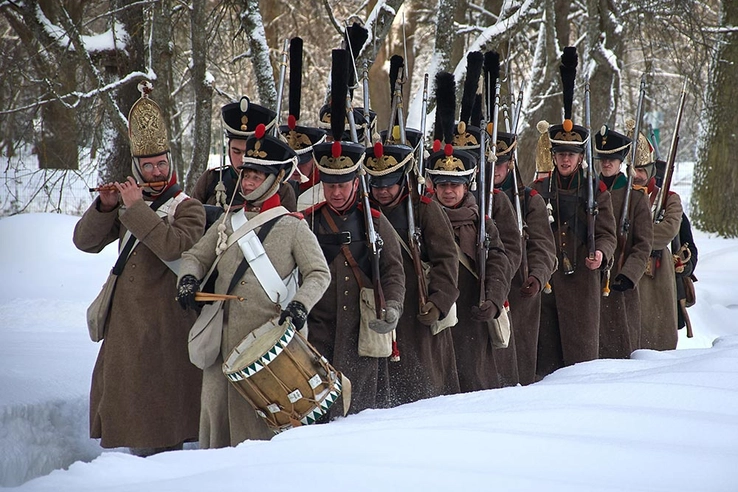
{"x":259,"y":347}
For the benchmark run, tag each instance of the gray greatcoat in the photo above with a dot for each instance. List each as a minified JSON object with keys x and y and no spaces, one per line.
{"x":427,"y":365}
{"x":658,"y":285}
{"x":227,"y":418}
{"x":145,"y":392}
{"x":620,"y":312}
{"x":570,"y":315}
{"x":334,"y":321}
{"x":540,"y":252}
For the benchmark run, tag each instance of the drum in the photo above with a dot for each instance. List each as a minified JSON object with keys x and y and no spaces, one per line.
{"x":283,"y":377}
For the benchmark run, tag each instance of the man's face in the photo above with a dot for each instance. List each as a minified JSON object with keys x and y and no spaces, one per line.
{"x":451,"y":194}
{"x":251,"y":179}
{"x":567,"y":162}
{"x":338,"y":195}
{"x":236,"y":150}
{"x":501,"y":171}
{"x":610,"y":167}
{"x":641,"y":177}
{"x":154,"y":168}
{"x":386,"y":194}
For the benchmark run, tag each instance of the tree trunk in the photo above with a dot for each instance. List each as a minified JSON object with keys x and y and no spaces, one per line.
{"x":203,"y":95}
{"x":253,"y":25}
{"x":714,"y":195}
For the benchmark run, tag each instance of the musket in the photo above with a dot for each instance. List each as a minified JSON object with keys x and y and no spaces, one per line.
{"x":367,"y":116}
{"x":493,"y":150}
{"x":663,"y":193}
{"x":516,"y":190}
{"x":624,"y":219}
{"x":482,"y":237}
{"x":587,"y":166}
{"x":280,"y":88}
{"x":421,"y":146}
{"x":111,"y":187}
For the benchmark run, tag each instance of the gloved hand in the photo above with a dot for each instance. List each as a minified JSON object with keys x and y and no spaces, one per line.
{"x":621,"y":283}
{"x":530,"y":287}
{"x":391,"y":317}
{"x":485,"y":312}
{"x":429,"y":314}
{"x":297,"y":312}
{"x":186,"y":289}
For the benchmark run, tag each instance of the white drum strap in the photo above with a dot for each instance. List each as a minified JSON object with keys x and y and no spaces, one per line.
{"x":280,"y":291}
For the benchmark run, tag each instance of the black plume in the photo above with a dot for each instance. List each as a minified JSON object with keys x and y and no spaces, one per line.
{"x":474,"y":61}
{"x":356,"y":36}
{"x":339,"y":91}
{"x":445,"y":107}
{"x":295,"y":77}
{"x":491,"y":74}
{"x":476,"y":116}
{"x":568,"y":71}
{"x":396,"y":63}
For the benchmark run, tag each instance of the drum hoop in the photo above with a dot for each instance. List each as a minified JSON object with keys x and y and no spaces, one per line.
{"x":263,"y":360}
{"x":325,"y":404}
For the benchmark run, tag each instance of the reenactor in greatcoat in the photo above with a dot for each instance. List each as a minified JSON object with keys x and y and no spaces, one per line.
{"x":221,"y":186}
{"x":538,"y":257}
{"x":570,"y":315}
{"x":658,"y":285}
{"x":343,"y":226}
{"x":427,"y":365}
{"x":620,"y":310}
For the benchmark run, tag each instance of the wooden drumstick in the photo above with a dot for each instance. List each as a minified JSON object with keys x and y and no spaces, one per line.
{"x":209,"y":296}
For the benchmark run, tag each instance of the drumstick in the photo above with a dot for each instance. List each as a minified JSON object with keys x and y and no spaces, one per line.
{"x":209,"y":296}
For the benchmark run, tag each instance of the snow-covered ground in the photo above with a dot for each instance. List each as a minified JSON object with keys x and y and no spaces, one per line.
{"x":659,"y":421}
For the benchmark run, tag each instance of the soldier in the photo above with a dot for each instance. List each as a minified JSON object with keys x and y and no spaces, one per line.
{"x":145,"y":392}
{"x":427,"y":366}
{"x":620,"y":309}
{"x":221,"y":186}
{"x":342,"y":225}
{"x":227,"y":418}
{"x":658,"y":285}
{"x":306,"y":178}
{"x":570,"y":315}
{"x":538,"y":257}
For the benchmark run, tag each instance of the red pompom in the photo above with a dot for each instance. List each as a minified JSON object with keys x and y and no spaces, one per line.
{"x":291,"y":122}
{"x":260,"y":130}
{"x":448,"y":149}
{"x":436,"y":145}
{"x":378,"y":150}
{"x":336,"y":149}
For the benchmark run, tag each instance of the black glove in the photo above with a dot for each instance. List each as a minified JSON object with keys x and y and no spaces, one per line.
{"x":186,"y":289}
{"x":429,"y":314}
{"x":485,"y":312}
{"x":530,"y":287}
{"x":621,"y":283}
{"x":297,"y":312}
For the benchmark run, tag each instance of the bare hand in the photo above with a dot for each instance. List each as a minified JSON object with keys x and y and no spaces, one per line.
{"x":129,"y":191}
{"x":594,"y":264}
{"x":108,"y":199}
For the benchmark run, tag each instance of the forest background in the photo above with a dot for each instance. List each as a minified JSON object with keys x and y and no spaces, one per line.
{"x":70,"y":70}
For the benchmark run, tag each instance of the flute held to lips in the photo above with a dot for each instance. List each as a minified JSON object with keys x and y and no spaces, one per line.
{"x":153,"y":184}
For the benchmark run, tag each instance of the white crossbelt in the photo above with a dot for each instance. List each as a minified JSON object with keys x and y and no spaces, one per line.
{"x":280,"y":291}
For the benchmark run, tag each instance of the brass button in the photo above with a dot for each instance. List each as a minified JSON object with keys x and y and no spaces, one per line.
{"x":345,"y":292}
{"x":345,"y":308}
{"x":345,"y":263}
{"x":346,"y":278}
{"x":243,"y":282}
{"x":135,"y":253}
{"x":133,"y":265}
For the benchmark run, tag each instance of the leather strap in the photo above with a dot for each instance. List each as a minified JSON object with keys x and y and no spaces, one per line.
{"x":344,"y":248}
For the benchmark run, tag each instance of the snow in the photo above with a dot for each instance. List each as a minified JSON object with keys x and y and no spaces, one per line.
{"x":659,"y":421}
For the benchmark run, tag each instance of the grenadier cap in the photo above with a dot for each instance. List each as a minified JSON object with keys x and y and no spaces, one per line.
{"x":241,"y":118}
{"x":568,"y":137}
{"x":610,"y":144}
{"x":451,"y":165}
{"x":147,"y":129}
{"x":268,"y":154}
{"x":506,"y":143}
{"x":387,"y":164}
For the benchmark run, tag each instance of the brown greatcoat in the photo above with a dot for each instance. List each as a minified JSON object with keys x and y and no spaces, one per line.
{"x":227,"y":418}
{"x":334,"y":321}
{"x":506,"y":221}
{"x":475,"y":358}
{"x":145,"y":392}
{"x":570,"y":315}
{"x":620,"y":312}
{"x":540,"y":252}
{"x":205,"y":188}
{"x":658,"y":288}
{"x":427,"y":365}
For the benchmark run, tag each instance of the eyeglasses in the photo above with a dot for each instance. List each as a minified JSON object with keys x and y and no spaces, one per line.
{"x":161,"y":166}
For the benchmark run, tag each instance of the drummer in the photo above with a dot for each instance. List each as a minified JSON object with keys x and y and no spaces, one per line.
{"x":227,"y":418}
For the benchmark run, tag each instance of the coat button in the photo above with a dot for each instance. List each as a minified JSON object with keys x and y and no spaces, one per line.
{"x":345,"y":292}
{"x":345,"y":308}
{"x":243,"y":282}
{"x":133,"y":265}
{"x":134,"y":253}
{"x":130,"y":279}
{"x":346,"y":278}
{"x":345,"y":263}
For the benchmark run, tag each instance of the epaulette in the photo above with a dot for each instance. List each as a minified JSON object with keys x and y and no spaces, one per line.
{"x":672,"y":192}
{"x":533,"y":192}
{"x":602,"y":186}
{"x":541,"y":179}
{"x":497,"y":190}
{"x":297,"y":215}
{"x":425,"y":199}
{"x":312,"y":209}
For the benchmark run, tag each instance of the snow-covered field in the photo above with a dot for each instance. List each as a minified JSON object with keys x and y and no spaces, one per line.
{"x":659,"y":421}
